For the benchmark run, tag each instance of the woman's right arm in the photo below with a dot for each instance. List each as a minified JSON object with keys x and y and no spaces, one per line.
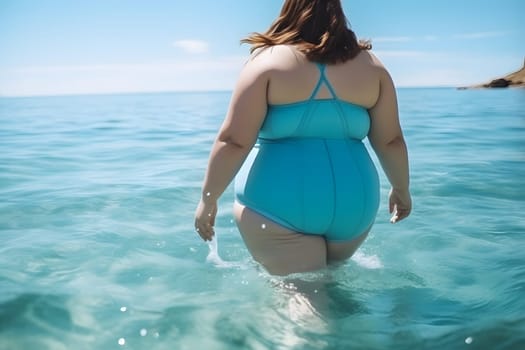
{"x":234,"y":141}
{"x":386,"y":138}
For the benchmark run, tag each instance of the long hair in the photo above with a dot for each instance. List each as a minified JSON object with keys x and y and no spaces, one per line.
{"x":318,"y":28}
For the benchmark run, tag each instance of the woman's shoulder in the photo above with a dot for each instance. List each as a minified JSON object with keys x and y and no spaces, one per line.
{"x":275,"y":58}
{"x":367,"y":61}
{"x":368,"y":58}
{"x":275,"y":53}
{"x":259,"y":63}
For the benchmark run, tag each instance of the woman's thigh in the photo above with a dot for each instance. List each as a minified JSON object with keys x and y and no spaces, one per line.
{"x":340,"y":251}
{"x":280,"y":250}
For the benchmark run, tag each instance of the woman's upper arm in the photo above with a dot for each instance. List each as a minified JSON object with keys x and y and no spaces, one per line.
{"x":248,"y":106}
{"x":384,"y":115}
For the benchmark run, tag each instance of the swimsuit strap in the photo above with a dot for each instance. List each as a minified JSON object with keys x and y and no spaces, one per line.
{"x":322,"y":79}
{"x":307,"y":114}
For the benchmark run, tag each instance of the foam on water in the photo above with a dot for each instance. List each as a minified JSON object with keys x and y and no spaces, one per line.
{"x":367,"y":261}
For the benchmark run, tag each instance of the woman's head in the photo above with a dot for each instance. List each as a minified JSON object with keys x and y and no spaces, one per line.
{"x":318,"y":28}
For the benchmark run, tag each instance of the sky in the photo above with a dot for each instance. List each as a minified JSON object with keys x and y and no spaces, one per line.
{"x":56,"y":47}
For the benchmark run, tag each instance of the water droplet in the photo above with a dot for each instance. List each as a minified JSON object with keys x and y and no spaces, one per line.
{"x":263,"y":226}
{"x":156,"y":334}
{"x":193,"y":250}
{"x":290,"y":286}
{"x":208,"y":194}
{"x":316,"y":291}
{"x":468,"y":340}
{"x":122,"y":341}
{"x":143,"y":332}
{"x":123,"y":309}
{"x":209,"y":214}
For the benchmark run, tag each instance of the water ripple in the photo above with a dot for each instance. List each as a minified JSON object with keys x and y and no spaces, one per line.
{"x":97,"y":195}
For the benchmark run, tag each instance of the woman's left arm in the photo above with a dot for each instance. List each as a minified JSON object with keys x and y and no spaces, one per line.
{"x":234,"y":141}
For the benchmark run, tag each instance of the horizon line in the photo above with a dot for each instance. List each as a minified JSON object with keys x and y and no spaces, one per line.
{"x":73,"y":94}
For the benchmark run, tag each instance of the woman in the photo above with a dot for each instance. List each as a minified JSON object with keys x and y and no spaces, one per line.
{"x":307,"y":193}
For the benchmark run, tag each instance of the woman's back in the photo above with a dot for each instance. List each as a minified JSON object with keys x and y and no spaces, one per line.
{"x":310,"y":172}
{"x":292,"y":77}
{"x":316,"y":118}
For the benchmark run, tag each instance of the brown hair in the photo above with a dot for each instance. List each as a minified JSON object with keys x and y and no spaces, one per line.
{"x":318,"y":28}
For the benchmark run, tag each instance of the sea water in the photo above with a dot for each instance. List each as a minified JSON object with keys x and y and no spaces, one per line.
{"x":98,"y":250}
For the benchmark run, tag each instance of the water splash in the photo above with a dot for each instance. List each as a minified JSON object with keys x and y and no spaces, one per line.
{"x":213,"y":255}
{"x":371,"y":262}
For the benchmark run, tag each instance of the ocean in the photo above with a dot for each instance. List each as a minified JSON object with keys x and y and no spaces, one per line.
{"x":98,"y":251}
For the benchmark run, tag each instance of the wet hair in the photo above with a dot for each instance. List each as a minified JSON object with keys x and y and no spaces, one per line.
{"x":317,"y":28}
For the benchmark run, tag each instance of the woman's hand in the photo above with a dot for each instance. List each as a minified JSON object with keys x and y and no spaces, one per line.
{"x":400,"y":204}
{"x":205,"y":219}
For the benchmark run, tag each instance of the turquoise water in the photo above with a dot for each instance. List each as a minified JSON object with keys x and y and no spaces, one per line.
{"x":97,"y":250}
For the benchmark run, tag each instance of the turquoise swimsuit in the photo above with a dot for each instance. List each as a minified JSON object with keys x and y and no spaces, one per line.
{"x":309,"y":170}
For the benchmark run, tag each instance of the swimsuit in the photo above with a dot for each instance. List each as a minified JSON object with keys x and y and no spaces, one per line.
{"x":309,"y":170}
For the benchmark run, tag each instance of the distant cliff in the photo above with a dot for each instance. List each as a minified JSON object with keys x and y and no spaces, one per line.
{"x":516,"y":79}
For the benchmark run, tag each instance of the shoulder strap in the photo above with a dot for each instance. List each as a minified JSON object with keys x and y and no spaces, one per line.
{"x":322,"y":79}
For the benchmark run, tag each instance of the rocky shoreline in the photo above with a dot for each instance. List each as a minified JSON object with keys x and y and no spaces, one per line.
{"x":516,"y":79}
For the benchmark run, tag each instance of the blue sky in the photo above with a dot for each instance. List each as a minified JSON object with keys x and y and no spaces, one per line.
{"x":52,"y":47}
